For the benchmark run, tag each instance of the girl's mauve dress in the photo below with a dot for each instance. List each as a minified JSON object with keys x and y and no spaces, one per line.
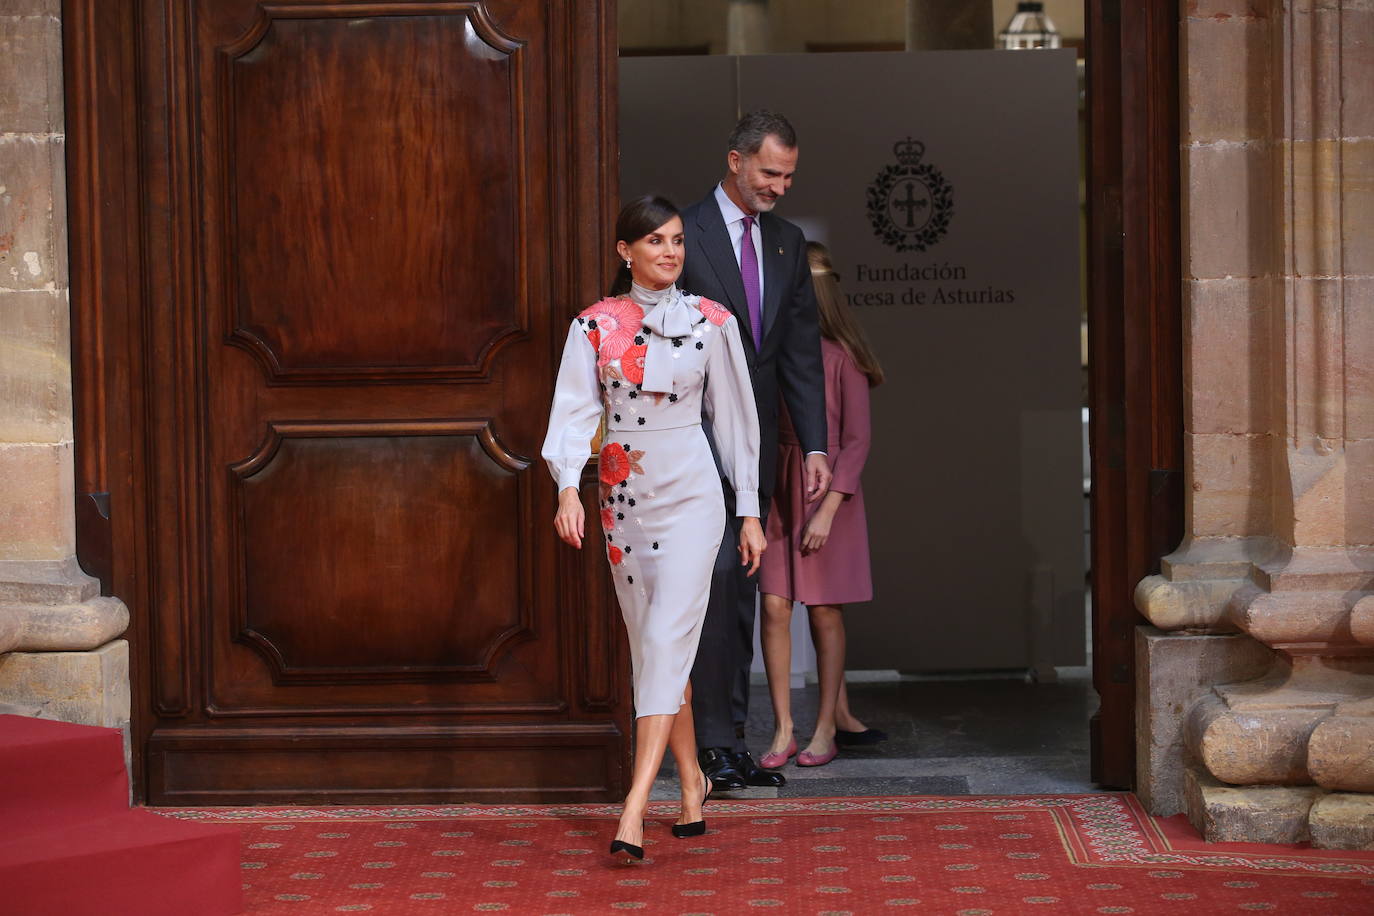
{"x":649,"y":362}
{"x":839,"y":572}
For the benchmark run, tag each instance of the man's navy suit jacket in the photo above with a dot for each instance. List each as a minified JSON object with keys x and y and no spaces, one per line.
{"x":788,"y":362}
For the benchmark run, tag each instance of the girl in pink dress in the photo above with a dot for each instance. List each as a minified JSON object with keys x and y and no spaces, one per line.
{"x":819,"y":551}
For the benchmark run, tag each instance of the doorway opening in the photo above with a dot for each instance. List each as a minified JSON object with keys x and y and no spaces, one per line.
{"x":997,"y":652}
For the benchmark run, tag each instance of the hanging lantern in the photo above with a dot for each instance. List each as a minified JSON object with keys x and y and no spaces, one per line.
{"x":1029,"y":28}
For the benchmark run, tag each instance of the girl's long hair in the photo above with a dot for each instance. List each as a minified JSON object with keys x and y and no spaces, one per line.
{"x":837,"y":321}
{"x":637,"y":219}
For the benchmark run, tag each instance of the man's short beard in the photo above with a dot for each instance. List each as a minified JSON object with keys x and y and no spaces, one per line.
{"x":750,"y":196}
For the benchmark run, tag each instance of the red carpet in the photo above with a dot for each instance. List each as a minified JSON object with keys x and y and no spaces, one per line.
{"x":70,"y":845}
{"x":971,"y":856}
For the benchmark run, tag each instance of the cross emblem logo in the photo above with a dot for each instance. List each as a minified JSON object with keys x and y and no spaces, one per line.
{"x":910,"y":203}
{"x":913,"y":202}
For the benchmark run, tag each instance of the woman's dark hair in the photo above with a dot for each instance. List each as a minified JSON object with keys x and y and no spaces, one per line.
{"x":637,"y":219}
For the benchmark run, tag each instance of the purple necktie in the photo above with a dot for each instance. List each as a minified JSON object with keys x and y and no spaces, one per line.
{"x":749,"y":273}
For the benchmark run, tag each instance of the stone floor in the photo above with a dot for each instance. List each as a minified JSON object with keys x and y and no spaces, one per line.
{"x":990,"y":735}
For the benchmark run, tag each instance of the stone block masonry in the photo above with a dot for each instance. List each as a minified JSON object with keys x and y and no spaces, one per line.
{"x":60,"y":655}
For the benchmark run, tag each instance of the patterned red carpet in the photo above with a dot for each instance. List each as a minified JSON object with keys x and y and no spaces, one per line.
{"x":971,"y":856}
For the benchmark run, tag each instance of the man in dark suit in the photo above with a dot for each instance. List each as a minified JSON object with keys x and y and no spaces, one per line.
{"x":741,"y":255}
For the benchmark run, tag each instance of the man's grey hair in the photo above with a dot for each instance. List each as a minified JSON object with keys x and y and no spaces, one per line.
{"x":755,"y":127}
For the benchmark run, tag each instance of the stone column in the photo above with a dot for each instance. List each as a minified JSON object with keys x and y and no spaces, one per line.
{"x":746,"y":27}
{"x":946,"y":25}
{"x":59,"y":652}
{"x":1279,"y":355}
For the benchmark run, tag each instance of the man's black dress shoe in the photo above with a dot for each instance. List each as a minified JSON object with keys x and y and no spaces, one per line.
{"x":719,"y":766}
{"x":755,"y":775}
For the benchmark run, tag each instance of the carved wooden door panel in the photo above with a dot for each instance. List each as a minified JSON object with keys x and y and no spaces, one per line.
{"x":365,"y":228}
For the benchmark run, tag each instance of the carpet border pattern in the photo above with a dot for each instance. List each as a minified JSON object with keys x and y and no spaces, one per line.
{"x":1096,"y":830}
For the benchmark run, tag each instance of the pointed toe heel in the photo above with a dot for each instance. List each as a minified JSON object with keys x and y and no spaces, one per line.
{"x":695,"y":828}
{"x":631,"y":850}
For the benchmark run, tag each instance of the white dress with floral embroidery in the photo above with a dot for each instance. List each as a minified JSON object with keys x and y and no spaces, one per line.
{"x":649,"y":363}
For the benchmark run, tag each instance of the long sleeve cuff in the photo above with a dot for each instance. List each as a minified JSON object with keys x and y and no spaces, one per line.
{"x":569,"y":477}
{"x":747,"y":503}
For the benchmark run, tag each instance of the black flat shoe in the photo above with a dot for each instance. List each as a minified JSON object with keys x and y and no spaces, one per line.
{"x":858,"y":739}
{"x":633,"y":851}
{"x":695,"y":828}
{"x":719,"y":766}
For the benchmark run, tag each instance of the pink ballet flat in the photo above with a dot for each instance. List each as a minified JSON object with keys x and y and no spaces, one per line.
{"x":772,"y":761}
{"x":808,"y":759}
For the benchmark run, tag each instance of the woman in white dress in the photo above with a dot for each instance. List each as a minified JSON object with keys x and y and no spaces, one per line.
{"x":647,"y":362}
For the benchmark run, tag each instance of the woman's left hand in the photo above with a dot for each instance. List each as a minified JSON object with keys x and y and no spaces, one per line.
{"x":752,"y":544}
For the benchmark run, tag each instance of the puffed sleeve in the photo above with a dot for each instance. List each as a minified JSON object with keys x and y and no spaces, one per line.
{"x":576,"y":411}
{"x":729,"y":402}
{"x":847,"y":464}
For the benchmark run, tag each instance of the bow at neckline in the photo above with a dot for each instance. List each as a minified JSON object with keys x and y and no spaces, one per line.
{"x":669,"y":317}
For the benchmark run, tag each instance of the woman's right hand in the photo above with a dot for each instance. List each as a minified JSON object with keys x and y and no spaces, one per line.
{"x":752,"y":544}
{"x":568,"y":520}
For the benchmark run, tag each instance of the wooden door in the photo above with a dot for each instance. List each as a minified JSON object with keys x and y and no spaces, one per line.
{"x":1135,"y":343}
{"x":328,"y":256}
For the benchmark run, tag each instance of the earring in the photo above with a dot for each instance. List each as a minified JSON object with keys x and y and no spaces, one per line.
{"x":627,"y":263}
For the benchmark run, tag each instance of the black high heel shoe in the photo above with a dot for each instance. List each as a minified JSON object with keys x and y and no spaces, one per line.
{"x":630,"y":849}
{"x":695,"y":828}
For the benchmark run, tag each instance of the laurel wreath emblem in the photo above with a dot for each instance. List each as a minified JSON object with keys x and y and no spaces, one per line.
{"x":942,"y":207}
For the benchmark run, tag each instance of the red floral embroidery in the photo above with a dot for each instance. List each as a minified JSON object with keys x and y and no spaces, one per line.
{"x":619,"y":321}
{"x":615,"y":464}
{"x":632,"y":363}
{"x":607,"y":519}
{"x":613,"y":552}
{"x":714,"y":312}
{"x":594,"y":338}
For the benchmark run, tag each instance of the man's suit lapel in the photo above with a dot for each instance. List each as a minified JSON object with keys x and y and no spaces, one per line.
{"x":715,"y":244}
{"x":774,"y":272}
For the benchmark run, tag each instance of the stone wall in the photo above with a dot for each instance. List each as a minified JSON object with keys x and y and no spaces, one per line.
{"x":35,"y":374}
{"x":1278,"y":163}
{"x":60,"y":656}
